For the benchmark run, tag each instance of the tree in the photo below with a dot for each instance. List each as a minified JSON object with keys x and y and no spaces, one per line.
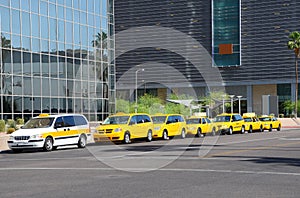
{"x":294,"y":44}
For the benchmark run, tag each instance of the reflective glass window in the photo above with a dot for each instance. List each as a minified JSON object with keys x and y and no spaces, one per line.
{"x":35,"y":6}
{"x":61,"y":12}
{"x":61,"y":31}
{"x":52,"y":10}
{"x":25,"y":5}
{"x":45,"y":46}
{"x":45,"y":87}
{"x":61,"y":2}
{"x":91,"y":6}
{"x":83,"y":17}
{"x":16,"y":41}
{"x":6,"y":55}
{"x":53,"y":28}
{"x":68,"y":3}
{"x":98,"y":7}
{"x":5,"y":2}
{"x":83,"y":5}
{"x":76,"y":16}
{"x":44,"y":28}
{"x":104,"y":7}
{"x":5,"y":22}
{"x":15,"y":4}
{"x":91,"y":20}
{"x":53,"y":46}
{"x":25,"y":24}
{"x":35,"y":25}
{"x":28,"y":88}
{"x":54,"y":87}
{"x":76,"y":34}
{"x":44,"y":8}
{"x":26,"y":43}
{"x":36,"y":90}
{"x":69,"y":32}
{"x":26,"y":63}
{"x":69,"y":14}
{"x":76,"y":4}
{"x":16,"y":28}
{"x":35,"y":45}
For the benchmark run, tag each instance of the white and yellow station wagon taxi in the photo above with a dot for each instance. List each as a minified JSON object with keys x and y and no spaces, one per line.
{"x":169,"y":125}
{"x":125,"y":127}
{"x":199,"y":126}
{"x":50,"y":131}
{"x":252,"y":123}
{"x":270,"y":122}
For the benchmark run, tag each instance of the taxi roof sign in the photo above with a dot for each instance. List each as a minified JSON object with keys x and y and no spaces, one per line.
{"x":44,"y":115}
{"x":249,"y":114}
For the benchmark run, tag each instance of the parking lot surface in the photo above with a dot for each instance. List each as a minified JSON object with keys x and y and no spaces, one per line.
{"x":263,"y":164}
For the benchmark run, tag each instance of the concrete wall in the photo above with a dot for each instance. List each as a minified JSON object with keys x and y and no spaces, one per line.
{"x":258,"y":91}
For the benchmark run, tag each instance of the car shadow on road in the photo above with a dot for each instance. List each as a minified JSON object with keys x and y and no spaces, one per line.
{"x":268,"y":160}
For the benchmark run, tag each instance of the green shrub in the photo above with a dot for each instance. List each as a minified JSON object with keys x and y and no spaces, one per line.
{"x":20,"y":121}
{"x":10,"y":130}
{"x":11,"y":124}
{"x":2,"y":126}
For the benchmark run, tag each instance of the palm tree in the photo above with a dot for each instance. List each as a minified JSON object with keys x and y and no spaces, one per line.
{"x":294,"y":44}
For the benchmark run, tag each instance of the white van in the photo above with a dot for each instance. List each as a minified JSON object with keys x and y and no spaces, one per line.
{"x":50,"y":131}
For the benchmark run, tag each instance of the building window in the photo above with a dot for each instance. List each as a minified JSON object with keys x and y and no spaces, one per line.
{"x":226,"y":49}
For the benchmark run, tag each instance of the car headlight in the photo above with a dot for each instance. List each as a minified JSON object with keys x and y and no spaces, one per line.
{"x":11,"y":138}
{"x":156,"y":128}
{"x":118,"y":130}
{"x":36,"y":136}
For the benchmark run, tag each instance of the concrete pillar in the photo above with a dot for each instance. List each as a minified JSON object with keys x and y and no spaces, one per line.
{"x":249,"y":99}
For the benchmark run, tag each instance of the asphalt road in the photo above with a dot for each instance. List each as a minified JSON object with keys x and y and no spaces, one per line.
{"x":250,"y":165}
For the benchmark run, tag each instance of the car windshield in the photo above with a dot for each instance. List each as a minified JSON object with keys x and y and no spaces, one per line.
{"x":222,"y":119}
{"x":248,"y":119}
{"x":265,"y":119}
{"x":193,"y":121}
{"x":116,"y":120}
{"x":38,"y":123}
{"x":158,"y":119}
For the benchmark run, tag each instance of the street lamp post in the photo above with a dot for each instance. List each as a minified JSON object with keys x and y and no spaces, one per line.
{"x":223,"y":103}
{"x":136,"y":88}
{"x":231,"y":102}
{"x":239,"y":97}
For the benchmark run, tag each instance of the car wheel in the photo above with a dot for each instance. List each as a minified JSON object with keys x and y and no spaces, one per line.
{"x":182,"y":135}
{"x":230,"y":131}
{"x":261,"y":129}
{"x":149,"y":136}
{"x":127,"y":138}
{"x":243,"y":130}
{"x":48,"y":145}
{"x":165,"y":135}
{"x":270,"y":128}
{"x":250,"y":129}
{"x":279,"y":128}
{"x":198,"y":133}
{"x":81,"y":141}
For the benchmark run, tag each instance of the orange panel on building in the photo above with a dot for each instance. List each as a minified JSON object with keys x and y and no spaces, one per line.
{"x":225,"y":48}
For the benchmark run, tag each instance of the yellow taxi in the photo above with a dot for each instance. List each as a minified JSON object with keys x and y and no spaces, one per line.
{"x":230,"y":123}
{"x":125,"y":127}
{"x":270,"y":122}
{"x":169,"y":125}
{"x":199,"y":126}
{"x":252,"y":123}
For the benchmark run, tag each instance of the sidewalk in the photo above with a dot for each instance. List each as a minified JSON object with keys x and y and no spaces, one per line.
{"x":3,"y":141}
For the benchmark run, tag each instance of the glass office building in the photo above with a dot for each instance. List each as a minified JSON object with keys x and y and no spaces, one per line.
{"x":57,"y":56}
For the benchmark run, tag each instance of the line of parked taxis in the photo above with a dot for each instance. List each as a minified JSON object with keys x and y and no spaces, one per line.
{"x":126,"y":127}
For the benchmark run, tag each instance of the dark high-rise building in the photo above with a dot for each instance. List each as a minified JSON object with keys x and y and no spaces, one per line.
{"x":187,"y":46}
